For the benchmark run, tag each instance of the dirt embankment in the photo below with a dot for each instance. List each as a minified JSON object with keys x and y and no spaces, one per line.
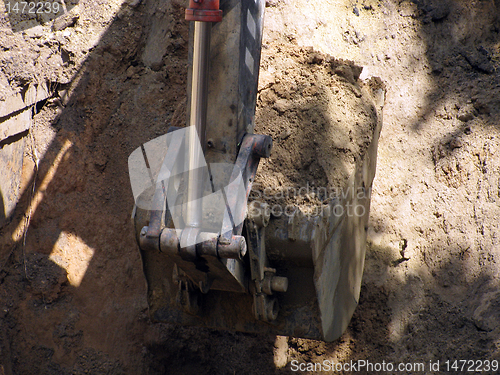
{"x":72,"y":294}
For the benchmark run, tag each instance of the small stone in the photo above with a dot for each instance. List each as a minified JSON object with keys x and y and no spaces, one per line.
{"x":482,"y":107}
{"x":284,"y":134}
{"x":466,"y":114}
{"x":272,"y":3}
{"x":281,"y":105}
{"x":133,"y":3}
{"x":346,"y":72}
{"x":485,"y":317}
{"x":130,"y":71}
{"x":480,"y":60}
{"x":455,"y":143}
{"x":34,"y":32}
{"x":317,"y":58}
{"x":64,"y":22}
{"x":124,"y":13}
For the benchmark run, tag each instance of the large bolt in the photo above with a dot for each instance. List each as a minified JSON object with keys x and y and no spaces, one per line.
{"x":169,"y":241}
{"x":259,"y":213}
{"x":243,"y":247}
{"x":235,"y":249}
{"x":148,"y":242}
{"x":279,"y":284}
{"x":272,"y":284}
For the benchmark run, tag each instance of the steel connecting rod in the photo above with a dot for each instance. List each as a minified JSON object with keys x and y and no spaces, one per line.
{"x":203,"y":13}
{"x":198,"y":121}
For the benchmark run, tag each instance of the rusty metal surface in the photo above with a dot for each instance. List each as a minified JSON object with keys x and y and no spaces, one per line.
{"x":265,"y":304}
{"x":217,"y":260}
{"x":205,"y":11}
{"x":205,"y":266}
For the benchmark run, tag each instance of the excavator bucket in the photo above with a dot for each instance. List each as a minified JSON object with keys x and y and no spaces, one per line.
{"x":213,"y":254}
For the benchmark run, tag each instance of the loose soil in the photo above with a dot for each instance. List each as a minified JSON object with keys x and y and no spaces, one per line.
{"x":72,"y":293}
{"x":321,"y":118}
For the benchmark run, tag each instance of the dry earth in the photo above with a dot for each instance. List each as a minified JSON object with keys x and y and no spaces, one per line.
{"x":72,"y":294}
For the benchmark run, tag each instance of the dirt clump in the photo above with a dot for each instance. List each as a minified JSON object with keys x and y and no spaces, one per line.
{"x":321,"y":118}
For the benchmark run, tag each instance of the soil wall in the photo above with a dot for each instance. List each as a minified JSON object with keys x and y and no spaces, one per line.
{"x":72,"y":293}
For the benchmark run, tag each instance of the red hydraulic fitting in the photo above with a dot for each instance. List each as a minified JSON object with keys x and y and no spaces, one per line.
{"x":204,"y":10}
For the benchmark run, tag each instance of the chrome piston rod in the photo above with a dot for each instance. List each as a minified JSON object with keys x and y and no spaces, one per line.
{"x":198,"y":121}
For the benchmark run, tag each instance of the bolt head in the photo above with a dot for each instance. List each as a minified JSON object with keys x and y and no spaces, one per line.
{"x":243,"y":247}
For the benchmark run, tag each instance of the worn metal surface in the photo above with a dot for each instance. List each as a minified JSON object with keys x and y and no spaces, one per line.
{"x":230,"y":111}
{"x":253,"y":147}
{"x":211,"y":260}
{"x":233,"y":78}
{"x":169,"y":243}
{"x":321,"y":257}
{"x":264,"y":280}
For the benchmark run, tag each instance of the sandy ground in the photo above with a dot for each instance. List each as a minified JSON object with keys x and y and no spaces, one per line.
{"x":72,"y":293}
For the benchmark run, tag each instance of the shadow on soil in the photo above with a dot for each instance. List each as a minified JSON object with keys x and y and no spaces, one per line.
{"x":445,"y":309}
{"x":2,"y":210}
{"x":462,"y":40}
{"x":410,"y":324}
{"x":73,"y":296}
